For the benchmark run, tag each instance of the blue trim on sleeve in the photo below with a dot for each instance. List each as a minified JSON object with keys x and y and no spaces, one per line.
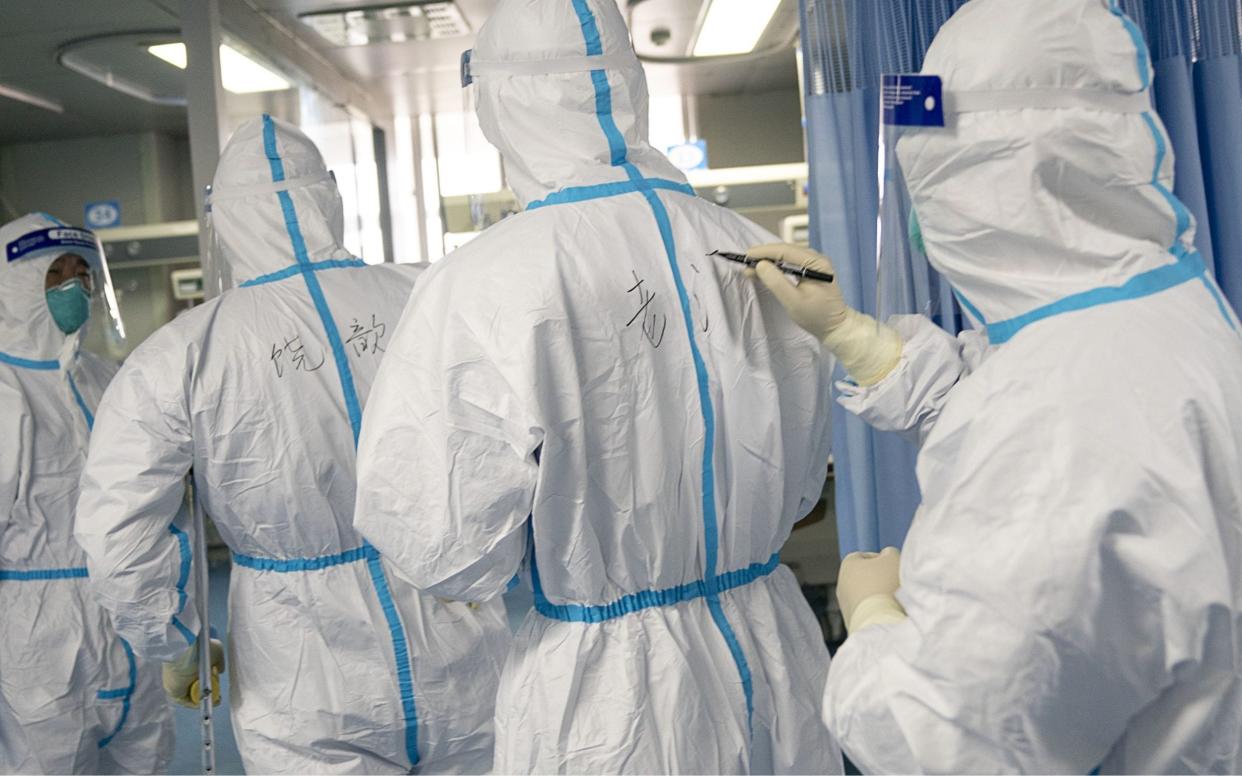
{"x":39,"y":575}
{"x":77,"y":397}
{"x":401,"y":653}
{"x":290,"y":565}
{"x":183,"y":579}
{"x":297,"y":269}
{"x":26,"y":363}
{"x":126,"y":694}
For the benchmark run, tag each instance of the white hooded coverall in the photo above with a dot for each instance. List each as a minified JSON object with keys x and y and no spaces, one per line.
{"x":337,"y":665}
{"x":73,"y":696}
{"x":1073,"y":576}
{"x":582,"y":392}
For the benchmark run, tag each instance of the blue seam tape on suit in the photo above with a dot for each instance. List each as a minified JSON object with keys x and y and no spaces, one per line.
{"x":38,"y":575}
{"x":297,"y":269}
{"x":27,"y":363}
{"x":400,"y":648}
{"x":126,"y":693}
{"x":602,"y":190}
{"x":1143,"y":284}
{"x":317,"y":563}
{"x":77,"y":397}
{"x":618,"y":154}
{"x":1136,"y":35}
{"x":111,"y":695}
{"x":650,"y":599}
{"x":183,"y":578}
{"x":49,"y":366}
{"x":298,"y":243}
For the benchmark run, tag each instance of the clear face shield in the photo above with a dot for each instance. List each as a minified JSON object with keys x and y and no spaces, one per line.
{"x":76,"y":283}
{"x":217,"y":272}
{"x":905,"y":282}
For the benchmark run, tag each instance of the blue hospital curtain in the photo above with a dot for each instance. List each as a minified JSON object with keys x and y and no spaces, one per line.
{"x":846,"y":45}
{"x":1197,"y":57}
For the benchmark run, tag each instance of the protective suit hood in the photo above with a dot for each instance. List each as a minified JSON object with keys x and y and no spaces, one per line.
{"x":27,"y":330}
{"x":544,"y":118}
{"x":250,"y":236}
{"x":1020,"y":208}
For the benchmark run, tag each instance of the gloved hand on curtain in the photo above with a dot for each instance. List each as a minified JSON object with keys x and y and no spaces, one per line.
{"x":865,"y":588}
{"x":181,"y":676}
{"x":868,"y":349}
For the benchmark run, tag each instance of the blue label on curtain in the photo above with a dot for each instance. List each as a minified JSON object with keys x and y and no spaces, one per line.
{"x":911,"y":100}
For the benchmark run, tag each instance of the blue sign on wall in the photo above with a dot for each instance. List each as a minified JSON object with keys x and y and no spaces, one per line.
{"x":689,"y":156}
{"x":102,"y":214}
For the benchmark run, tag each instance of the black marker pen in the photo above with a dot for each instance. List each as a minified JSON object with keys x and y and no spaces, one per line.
{"x":788,"y":269}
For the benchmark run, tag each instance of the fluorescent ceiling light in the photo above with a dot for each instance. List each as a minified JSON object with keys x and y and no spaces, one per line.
{"x":733,"y":26}
{"x":740,"y":176}
{"x":21,"y":95}
{"x":239,"y":73}
{"x":172,"y":53}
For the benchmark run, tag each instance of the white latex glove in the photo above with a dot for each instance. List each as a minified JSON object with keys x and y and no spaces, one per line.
{"x":865,"y":588}
{"x":868,"y":349}
{"x":181,"y":676}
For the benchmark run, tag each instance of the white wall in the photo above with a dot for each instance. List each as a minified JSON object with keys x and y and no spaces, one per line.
{"x":147,"y":172}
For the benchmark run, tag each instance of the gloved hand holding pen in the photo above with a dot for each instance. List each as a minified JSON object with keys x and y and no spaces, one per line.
{"x":868,"y":349}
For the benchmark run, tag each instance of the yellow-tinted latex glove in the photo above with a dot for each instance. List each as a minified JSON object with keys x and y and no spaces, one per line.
{"x":181,"y":676}
{"x":865,"y":588}
{"x":868,"y":349}
{"x":450,"y":602}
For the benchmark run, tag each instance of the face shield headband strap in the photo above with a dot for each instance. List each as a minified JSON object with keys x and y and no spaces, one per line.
{"x":62,"y":239}
{"x":261,"y":189}
{"x":916,"y":100}
{"x":472,"y":68}
{"x":1046,"y":99}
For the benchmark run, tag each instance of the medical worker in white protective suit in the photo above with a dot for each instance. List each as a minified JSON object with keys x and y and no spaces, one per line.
{"x":582,"y":392}
{"x":337,"y":664}
{"x":1071,"y":586}
{"x":73,"y":696}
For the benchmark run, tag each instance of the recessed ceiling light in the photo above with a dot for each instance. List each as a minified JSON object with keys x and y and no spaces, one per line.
{"x":394,"y":23}
{"x":239,"y":73}
{"x":733,"y":26}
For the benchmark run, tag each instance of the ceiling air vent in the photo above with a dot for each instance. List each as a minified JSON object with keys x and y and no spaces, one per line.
{"x":391,"y":23}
